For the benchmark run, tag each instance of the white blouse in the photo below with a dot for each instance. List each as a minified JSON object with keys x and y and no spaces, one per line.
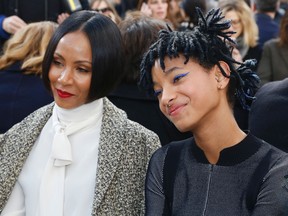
{"x":48,"y":186}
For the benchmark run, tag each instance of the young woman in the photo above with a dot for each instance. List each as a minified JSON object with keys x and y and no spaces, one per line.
{"x":221,"y":170}
{"x":79,"y":155}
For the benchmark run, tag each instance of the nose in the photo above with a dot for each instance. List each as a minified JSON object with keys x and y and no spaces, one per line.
{"x":65,"y":77}
{"x":168,"y":96}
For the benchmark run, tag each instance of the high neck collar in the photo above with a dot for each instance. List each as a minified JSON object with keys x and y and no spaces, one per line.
{"x":81,"y":113}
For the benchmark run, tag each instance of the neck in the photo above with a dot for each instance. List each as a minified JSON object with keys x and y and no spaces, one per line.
{"x":222,"y":133}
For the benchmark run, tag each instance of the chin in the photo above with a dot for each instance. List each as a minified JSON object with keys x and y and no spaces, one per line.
{"x":182,"y":128}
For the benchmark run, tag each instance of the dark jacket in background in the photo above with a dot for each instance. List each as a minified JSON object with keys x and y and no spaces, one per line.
{"x":20,"y":95}
{"x":268,"y":117}
{"x":268,"y":28}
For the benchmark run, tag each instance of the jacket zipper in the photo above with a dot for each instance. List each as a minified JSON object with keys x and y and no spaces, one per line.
{"x":208,"y":189}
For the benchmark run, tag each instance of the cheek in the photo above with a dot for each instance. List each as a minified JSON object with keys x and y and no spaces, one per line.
{"x":238,"y":31}
{"x":53,"y":75}
{"x":165,"y":6}
{"x":85,"y":84}
{"x":153,"y":8}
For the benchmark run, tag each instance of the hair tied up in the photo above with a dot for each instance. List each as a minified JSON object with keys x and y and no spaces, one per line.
{"x":248,"y":83}
{"x":211,"y":25}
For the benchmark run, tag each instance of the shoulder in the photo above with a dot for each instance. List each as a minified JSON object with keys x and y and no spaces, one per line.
{"x":272,"y":154}
{"x":271,"y":44}
{"x":177,"y":147}
{"x":275,"y":89}
{"x":116,"y":122}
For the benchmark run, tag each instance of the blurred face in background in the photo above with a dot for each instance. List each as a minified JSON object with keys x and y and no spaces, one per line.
{"x":236,"y":24}
{"x":159,"y":8}
{"x":102,"y":7}
{"x":175,"y":7}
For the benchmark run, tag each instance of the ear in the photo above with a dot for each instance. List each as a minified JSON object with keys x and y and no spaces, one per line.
{"x":222,"y":81}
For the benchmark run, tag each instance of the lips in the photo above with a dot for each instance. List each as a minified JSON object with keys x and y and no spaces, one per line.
{"x":174,"y":110}
{"x":64,"y":94}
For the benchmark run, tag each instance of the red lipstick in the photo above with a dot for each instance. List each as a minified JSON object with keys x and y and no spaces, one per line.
{"x":63,"y":94}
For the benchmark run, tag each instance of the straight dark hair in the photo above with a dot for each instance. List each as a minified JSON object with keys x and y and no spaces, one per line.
{"x":106,"y":46}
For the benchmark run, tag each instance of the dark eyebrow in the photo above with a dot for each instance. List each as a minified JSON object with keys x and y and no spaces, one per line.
{"x":172,"y":69}
{"x":58,"y":55}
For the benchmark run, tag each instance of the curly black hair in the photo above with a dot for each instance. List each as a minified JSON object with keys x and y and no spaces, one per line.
{"x":208,"y":44}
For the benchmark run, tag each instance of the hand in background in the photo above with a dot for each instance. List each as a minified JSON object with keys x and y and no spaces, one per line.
{"x":62,"y":17}
{"x":12,"y":24}
{"x":145,"y":9}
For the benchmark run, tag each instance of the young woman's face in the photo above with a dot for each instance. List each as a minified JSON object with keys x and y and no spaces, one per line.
{"x":187,"y":93}
{"x":159,"y":8}
{"x":236,"y":24}
{"x":71,"y":71}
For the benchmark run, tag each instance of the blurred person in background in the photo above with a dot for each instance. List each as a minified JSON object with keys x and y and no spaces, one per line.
{"x":158,"y":9}
{"x":21,"y":87}
{"x":106,"y":8}
{"x":265,"y":11}
{"x":176,"y":15}
{"x":245,"y":28}
{"x":188,"y":9}
{"x":274,"y":61}
{"x":15,"y":14}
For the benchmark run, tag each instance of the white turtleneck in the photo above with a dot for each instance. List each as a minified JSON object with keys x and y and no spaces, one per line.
{"x":79,"y":173}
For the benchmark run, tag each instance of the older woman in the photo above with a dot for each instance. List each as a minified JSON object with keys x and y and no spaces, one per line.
{"x":80,"y":155}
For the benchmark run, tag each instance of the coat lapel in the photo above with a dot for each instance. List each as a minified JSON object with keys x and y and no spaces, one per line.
{"x":110,"y":149}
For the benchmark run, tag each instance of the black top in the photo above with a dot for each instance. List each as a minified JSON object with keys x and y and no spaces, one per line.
{"x":250,"y":178}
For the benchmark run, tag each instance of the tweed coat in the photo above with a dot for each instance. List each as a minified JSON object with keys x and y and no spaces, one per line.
{"x":273,"y":65}
{"x":125,"y":148}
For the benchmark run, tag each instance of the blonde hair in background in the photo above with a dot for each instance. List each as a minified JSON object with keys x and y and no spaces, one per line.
{"x":250,"y":31}
{"x":28,"y":46}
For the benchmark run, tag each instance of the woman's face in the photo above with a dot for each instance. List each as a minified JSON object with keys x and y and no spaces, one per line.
{"x":159,"y":8}
{"x":187,"y":93}
{"x":102,"y":7}
{"x":71,"y":71}
{"x":236,"y":24}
